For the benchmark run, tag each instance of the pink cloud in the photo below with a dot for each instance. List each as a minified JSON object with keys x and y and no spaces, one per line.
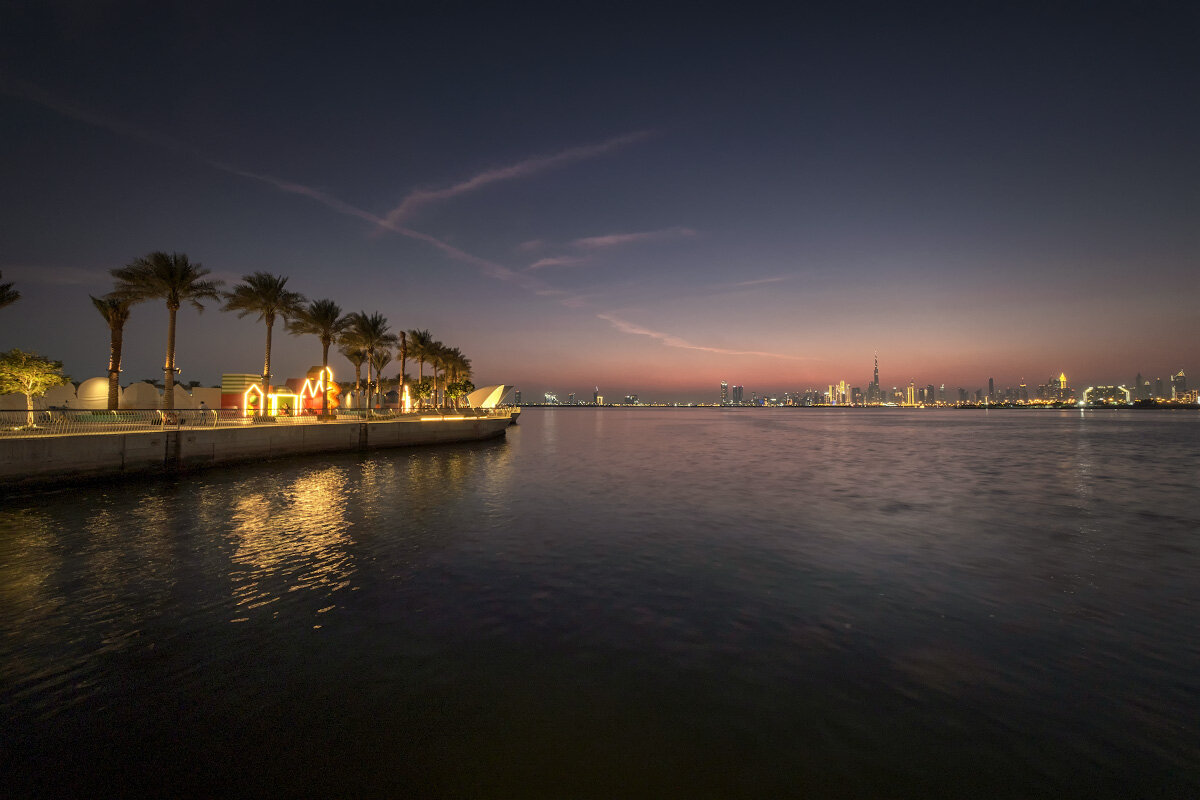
{"x":670,"y":340}
{"x":557,"y":261}
{"x":618,"y":239}
{"x":521,"y":169}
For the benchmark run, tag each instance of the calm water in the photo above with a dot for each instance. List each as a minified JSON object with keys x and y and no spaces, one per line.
{"x":626,"y":603}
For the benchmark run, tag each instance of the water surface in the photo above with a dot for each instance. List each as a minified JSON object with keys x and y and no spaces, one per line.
{"x":687,"y":603}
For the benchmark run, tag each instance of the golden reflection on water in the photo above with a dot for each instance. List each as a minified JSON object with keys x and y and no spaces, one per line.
{"x":30,"y":558}
{"x":296,"y":540}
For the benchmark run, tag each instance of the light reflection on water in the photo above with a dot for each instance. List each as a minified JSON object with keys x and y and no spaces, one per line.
{"x":628,"y":602}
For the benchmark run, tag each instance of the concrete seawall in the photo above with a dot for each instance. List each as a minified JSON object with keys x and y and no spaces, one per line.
{"x":49,"y":458}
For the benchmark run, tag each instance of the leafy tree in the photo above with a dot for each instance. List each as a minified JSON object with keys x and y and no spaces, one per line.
{"x":29,"y":374}
{"x":8,"y":295}
{"x":323,"y":319}
{"x":424,"y":389}
{"x":170,"y":277}
{"x":458,"y":389}
{"x":115,"y":311}
{"x":264,"y":294}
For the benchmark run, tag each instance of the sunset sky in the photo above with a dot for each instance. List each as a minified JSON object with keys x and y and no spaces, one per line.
{"x":598,"y":194}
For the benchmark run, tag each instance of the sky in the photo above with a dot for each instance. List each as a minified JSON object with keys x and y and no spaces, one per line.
{"x":645,"y":198}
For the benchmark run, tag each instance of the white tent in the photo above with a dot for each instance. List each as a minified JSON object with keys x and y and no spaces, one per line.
{"x":489,"y":396}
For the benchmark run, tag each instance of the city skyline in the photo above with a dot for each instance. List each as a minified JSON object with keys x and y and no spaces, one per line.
{"x":1172,"y":386}
{"x":618,"y":196}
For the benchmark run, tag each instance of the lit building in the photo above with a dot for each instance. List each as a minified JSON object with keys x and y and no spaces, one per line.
{"x":873,"y":393}
{"x":910,"y":395}
{"x":1178,"y":386}
{"x":738,"y":394}
{"x":1106,"y":395}
{"x":724,"y":393}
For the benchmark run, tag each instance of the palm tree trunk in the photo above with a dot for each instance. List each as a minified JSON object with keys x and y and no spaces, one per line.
{"x":114,"y":368}
{"x":169,"y":367}
{"x":400,"y":388}
{"x":370,"y":396}
{"x":266,"y":380}
{"x":324,"y":372}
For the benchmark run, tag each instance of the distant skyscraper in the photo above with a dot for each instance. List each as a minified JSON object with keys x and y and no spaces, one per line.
{"x":910,"y":396}
{"x":571,"y":399}
{"x":991,"y":389}
{"x":1178,"y":385}
{"x":724,"y":393}
{"x":596,"y":396}
{"x":517,"y":397}
{"x":738,"y":394}
{"x":873,"y":393}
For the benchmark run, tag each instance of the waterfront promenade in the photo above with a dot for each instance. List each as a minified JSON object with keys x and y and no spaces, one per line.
{"x":79,"y":445}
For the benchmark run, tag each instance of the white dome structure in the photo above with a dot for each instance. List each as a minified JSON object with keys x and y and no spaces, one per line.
{"x":140,"y":395}
{"x":59,"y":396}
{"x":93,"y":394}
{"x":183,"y":398}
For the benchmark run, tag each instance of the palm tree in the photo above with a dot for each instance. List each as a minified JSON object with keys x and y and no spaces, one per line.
{"x":323,"y":319}
{"x":420,"y":344}
{"x":458,"y":368}
{"x":437,"y":358}
{"x":116,"y":313}
{"x":355,"y":355}
{"x":8,"y":295}
{"x":264,"y":294}
{"x":371,"y":334}
{"x":169,"y":277}
{"x":380,"y":360}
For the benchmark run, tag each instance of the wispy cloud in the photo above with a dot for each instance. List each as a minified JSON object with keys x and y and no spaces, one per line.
{"x":490,"y":268}
{"x":556,"y":261}
{"x":15,"y":87}
{"x":760,"y":281}
{"x":29,"y":92}
{"x":618,"y":239}
{"x":522,"y":169}
{"x":670,"y":340}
